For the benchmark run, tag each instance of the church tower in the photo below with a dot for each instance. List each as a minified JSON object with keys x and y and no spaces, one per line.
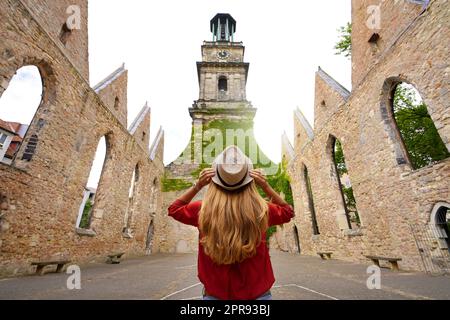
{"x":222,"y":75}
{"x":222,"y":115}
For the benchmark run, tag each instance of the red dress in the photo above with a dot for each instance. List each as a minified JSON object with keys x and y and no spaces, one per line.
{"x":247,"y":280}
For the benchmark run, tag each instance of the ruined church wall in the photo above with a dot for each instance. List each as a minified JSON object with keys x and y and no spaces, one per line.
{"x":40,"y":199}
{"x":390,"y":195}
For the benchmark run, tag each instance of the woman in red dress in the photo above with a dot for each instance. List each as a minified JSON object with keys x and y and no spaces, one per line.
{"x":233,"y":257}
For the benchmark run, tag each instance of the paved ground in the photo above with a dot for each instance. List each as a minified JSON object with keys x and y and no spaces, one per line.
{"x":174,"y":277}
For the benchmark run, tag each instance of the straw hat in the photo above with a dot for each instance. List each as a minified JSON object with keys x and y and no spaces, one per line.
{"x":232,"y":169}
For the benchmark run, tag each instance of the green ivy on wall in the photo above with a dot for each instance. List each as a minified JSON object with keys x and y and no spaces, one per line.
{"x":281,"y":183}
{"x":169,"y":185}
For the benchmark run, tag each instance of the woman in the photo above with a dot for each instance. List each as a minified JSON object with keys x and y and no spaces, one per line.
{"x":233,"y":257}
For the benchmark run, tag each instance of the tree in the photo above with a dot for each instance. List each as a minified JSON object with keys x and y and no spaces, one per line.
{"x":420,"y":136}
{"x":344,"y":46}
{"x":86,"y":217}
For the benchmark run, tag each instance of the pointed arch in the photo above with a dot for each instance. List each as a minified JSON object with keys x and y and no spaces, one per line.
{"x":92,"y":188}
{"x":340,"y":171}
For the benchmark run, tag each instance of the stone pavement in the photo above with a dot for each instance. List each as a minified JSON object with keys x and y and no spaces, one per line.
{"x":173,"y":277}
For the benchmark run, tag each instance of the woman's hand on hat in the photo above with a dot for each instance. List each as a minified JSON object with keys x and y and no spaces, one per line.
{"x":205,"y":178}
{"x":260,"y":178}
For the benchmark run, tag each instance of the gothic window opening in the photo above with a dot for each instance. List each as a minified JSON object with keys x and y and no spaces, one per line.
{"x":223,"y":28}
{"x":18,"y":106}
{"x":90,"y":193}
{"x":116,"y":104}
{"x":128,"y":220}
{"x":223,"y":84}
{"x":345,"y":185}
{"x":312,"y":210}
{"x":419,"y":137}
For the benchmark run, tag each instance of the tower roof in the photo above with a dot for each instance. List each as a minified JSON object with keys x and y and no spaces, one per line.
{"x":222,"y":17}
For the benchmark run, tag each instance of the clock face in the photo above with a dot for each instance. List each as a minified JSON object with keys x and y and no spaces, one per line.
{"x":223,"y":55}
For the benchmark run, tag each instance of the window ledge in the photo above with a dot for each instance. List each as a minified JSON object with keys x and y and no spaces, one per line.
{"x":315,"y":237}
{"x":353,"y":232}
{"x":85,"y":232}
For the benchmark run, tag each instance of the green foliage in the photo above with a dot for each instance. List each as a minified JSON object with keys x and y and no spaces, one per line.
{"x":86,"y":217}
{"x":281,"y":184}
{"x":169,"y":185}
{"x":196,"y":173}
{"x":225,"y":124}
{"x":350,"y":202}
{"x":270,"y":232}
{"x":420,"y":136}
{"x":339,"y":158}
{"x":344,"y":45}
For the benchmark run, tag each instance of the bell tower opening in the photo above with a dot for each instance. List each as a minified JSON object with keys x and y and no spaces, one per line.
{"x":223,"y":27}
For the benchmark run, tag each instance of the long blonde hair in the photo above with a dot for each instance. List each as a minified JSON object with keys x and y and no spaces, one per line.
{"x":232,"y":223}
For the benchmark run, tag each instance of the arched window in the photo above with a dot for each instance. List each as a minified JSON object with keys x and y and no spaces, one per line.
{"x":345,"y":185}
{"x":312,"y":210}
{"x":18,"y":105}
{"x":128,"y":220}
{"x":116,"y":103}
{"x":419,"y":137}
{"x":440,"y":220}
{"x":223,"y":84}
{"x":91,"y":190}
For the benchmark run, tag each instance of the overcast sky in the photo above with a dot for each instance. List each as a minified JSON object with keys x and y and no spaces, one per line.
{"x":160,"y":43}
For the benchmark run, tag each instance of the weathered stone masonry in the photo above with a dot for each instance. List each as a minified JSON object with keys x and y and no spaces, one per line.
{"x":392,"y":198}
{"x":40,"y":198}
